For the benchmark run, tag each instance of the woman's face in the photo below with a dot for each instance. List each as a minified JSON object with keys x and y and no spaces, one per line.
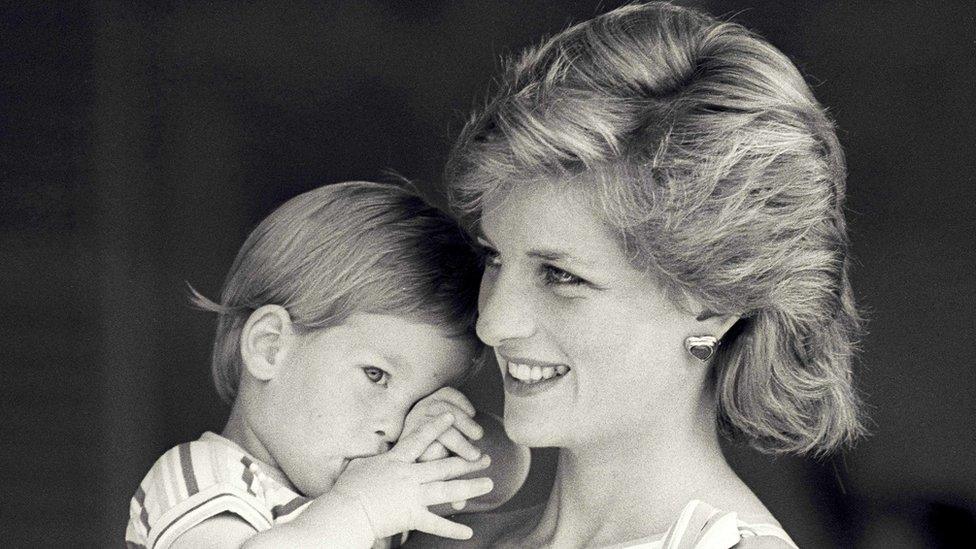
{"x":589,"y":346}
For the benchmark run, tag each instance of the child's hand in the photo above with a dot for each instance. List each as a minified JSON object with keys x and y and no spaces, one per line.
{"x":455,"y":439}
{"x":395,"y":491}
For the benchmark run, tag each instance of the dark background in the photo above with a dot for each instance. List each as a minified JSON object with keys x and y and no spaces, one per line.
{"x":140,"y":144}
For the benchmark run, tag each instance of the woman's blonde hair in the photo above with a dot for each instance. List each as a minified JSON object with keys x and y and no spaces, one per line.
{"x":705,"y":150}
{"x":344,"y":248}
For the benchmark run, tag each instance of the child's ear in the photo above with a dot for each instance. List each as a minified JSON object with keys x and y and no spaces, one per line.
{"x":265,"y":340}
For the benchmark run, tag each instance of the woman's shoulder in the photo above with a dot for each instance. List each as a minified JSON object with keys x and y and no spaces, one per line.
{"x":764,"y":542}
{"x":698,"y":525}
{"x":489,"y":529}
{"x":701,"y":525}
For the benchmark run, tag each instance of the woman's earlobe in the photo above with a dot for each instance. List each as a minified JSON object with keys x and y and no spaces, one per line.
{"x":264,"y":341}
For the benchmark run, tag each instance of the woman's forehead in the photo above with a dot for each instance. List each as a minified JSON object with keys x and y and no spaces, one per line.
{"x":551,"y":221}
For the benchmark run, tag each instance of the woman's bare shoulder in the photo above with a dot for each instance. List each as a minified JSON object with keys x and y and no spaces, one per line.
{"x":763,"y":542}
{"x":489,"y":529}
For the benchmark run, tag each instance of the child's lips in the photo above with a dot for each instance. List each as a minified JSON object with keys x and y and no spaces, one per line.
{"x":362,"y":455}
{"x":383,"y":448}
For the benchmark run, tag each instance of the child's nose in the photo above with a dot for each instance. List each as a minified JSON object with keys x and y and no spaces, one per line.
{"x":389,"y":431}
{"x":386,"y":444}
{"x":386,"y":438}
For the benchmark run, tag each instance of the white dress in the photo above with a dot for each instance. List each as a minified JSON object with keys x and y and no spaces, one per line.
{"x":701,"y":526}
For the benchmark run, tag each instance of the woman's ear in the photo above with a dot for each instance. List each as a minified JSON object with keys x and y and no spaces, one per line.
{"x":265,"y":339}
{"x":715,"y":324}
{"x":725,"y":324}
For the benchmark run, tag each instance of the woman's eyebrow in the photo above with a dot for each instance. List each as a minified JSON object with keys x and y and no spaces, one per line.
{"x":545,"y":254}
{"x":482,"y":240}
{"x":558,"y":255}
{"x":479,"y":234}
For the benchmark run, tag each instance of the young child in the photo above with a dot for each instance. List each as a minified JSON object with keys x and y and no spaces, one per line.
{"x":344,"y":316}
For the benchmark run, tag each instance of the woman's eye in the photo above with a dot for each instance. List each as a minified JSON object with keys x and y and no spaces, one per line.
{"x":489,"y":257}
{"x":376,"y":375}
{"x":556,"y":276}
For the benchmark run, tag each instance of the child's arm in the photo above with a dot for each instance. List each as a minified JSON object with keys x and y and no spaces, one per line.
{"x":332,"y":520}
{"x":224,"y":530}
{"x":347,"y":526}
{"x":469,"y":439}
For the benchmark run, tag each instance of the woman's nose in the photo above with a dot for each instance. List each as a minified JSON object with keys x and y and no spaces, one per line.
{"x":504,"y":310}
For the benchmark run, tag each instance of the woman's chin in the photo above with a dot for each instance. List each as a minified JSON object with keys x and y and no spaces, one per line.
{"x":532,"y":429}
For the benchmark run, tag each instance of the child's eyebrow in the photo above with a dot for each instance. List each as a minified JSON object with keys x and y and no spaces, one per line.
{"x":398,"y":361}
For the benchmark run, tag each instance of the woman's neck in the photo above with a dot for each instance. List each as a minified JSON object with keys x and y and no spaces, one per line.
{"x":616,"y":490}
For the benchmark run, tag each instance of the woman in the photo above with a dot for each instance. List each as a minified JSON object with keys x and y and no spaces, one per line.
{"x":659,"y":197}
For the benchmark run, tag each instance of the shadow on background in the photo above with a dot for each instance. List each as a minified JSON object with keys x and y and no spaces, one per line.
{"x":140,"y":145}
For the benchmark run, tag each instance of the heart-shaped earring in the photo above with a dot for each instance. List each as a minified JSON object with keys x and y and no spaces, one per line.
{"x":701,"y":347}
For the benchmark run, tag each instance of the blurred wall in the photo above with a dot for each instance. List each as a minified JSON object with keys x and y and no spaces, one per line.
{"x":142,"y":141}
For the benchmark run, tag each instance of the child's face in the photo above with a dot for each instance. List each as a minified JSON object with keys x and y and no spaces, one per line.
{"x":343,"y":392}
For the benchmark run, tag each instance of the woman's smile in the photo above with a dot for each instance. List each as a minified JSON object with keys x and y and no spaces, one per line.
{"x":535,"y":374}
{"x":524,"y":376}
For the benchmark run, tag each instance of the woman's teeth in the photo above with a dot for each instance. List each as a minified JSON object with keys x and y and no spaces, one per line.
{"x":533,"y":374}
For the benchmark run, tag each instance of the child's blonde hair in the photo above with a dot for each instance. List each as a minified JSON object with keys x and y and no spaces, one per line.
{"x":344,"y":248}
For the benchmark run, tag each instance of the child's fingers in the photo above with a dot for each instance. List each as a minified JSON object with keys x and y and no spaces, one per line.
{"x":448,"y":468}
{"x":435,"y":451}
{"x":465,"y":424}
{"x":459,"y":505}
{"x":468,"y":426}
{"x":453,"y":440}
{"x":410,"y":447}
{"x":440,"y":526}
{"x":447,"y":491}
{"x":455,"y":397}
{"x":462,"y":420}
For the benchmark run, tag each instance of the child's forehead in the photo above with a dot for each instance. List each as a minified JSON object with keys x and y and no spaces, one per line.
{"x":407,"y":344}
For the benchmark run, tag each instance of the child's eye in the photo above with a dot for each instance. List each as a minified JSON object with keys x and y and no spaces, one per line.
{"x":376,"y":375}
{"x":556,"y":276}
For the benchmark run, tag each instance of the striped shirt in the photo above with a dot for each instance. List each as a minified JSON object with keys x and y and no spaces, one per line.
{"x":201,"y":479}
